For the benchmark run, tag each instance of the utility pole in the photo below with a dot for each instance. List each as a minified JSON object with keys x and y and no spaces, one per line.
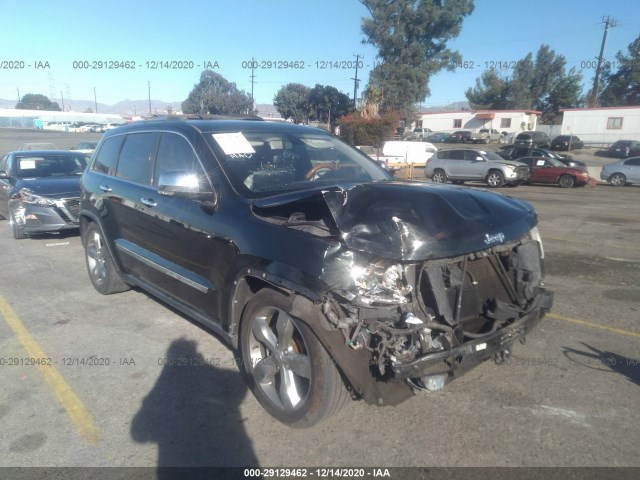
{"x":355,"y":83}
{"x":62,"y":97}
{"x":18,"y":95}
{"x":608,"y":22}
{"x":149,"y":88}
{"x":95,"y":99}
{"x":253,"y":63}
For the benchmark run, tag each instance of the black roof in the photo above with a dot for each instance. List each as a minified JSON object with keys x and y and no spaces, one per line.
{"x":217,"y":124}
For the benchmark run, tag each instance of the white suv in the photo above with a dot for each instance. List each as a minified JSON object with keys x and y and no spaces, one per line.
{"x":461,"y":165}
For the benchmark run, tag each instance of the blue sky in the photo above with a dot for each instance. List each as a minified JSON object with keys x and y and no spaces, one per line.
{"x":230,"y":32}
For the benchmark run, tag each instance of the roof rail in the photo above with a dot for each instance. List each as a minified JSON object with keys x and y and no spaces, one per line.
{"x":203,"y":116}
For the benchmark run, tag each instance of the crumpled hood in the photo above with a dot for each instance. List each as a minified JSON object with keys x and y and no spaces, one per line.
{"x":52,"y":187}
{"x":412,"y":221}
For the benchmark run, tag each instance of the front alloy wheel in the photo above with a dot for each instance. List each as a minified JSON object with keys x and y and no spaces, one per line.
{"x":566,"y":181}
{"x":17,"y":229}
{"x":287,"y":368}
{"x":495,"y":179}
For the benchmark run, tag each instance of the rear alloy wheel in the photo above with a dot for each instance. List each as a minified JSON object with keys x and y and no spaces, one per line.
{"x":618,"y":180}
{"x":102,"y":271}
{"x":287,"y":368}
{"x":495,"y":179}
{"x":439,"y":176}
{"x":566,"y":181}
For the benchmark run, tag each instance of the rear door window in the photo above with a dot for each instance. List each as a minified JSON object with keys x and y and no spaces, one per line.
{"x":136,"y":158}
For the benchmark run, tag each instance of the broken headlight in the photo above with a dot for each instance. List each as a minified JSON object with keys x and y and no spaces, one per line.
{"x":534,"y":234}
{"x":28,"y":197}
{"x":366,"y":281}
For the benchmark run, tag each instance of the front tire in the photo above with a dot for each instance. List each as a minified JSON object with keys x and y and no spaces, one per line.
{"x":495,"y":179}
{"x":287,"y":368}
{"x":17,"y":230}
{"x":100,"y":266}
{"x":618,"y":180}
{"x":566,"y":181}
{"x":439,"y":176}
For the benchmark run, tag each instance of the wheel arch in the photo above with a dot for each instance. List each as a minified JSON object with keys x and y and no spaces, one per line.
{"x":86,"y":218}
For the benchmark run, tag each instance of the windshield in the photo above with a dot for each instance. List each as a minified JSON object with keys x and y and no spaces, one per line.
{"x":261,"y":164}
{"x":50,"y":166}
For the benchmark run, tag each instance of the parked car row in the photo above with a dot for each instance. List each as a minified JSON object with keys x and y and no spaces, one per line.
{"x":513,"y":166}
{"x":79,"y":126}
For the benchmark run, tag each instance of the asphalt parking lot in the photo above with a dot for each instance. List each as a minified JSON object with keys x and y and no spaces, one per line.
{"x":104,"y":393}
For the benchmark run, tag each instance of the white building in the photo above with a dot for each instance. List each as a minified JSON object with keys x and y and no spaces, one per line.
{"x":602,"y":125}
{"x":10,"y":117}
{"x":510,"y":121}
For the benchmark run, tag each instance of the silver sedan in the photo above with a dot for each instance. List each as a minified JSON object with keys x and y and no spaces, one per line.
{"x":622,"y":172}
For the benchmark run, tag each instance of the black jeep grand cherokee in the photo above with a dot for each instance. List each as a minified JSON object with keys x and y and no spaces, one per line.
{"x":334,"y":280}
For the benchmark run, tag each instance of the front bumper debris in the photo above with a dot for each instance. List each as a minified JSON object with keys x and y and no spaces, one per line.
{"x":458,"y":360}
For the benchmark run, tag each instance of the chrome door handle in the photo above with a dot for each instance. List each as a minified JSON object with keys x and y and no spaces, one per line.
{"x":149,"y":202}
{"x":105,"y":188}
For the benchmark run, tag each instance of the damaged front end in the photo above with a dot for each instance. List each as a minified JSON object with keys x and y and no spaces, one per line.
{"x":427,"y":282}
{"x":430,"y":321}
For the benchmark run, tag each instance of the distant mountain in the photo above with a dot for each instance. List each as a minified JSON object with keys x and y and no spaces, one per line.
{"x":463,"y":105}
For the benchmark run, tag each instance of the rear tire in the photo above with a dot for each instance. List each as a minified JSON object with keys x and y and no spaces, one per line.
{"x":100,"y":266}
{"x":287,"y":368}
{"x":566,"y":181}
{"x":618,"y":180}
{"x":439,"y":176}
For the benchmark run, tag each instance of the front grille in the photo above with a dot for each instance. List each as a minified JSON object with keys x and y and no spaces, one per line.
{"x":522,"y":172}
{"x":482,"y":287}
{"x":72,"y":206}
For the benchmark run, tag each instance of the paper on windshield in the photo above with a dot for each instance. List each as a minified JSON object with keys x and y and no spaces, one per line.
{"x":233,"y":143}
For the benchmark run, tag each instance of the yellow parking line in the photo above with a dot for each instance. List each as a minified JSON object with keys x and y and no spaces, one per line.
{"x":69,"y":400}
{"x":593,"y":325}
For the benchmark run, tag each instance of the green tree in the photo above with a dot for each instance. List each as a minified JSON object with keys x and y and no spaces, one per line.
{"x":519,"y":94}
{"x":622,"y":86}
{"x":36,"y":101}
{"x":543,"y":84}
{"x":490,"y":91}
{"x":292,"y":101}
{"x":566,"y":93}
{"x":216,"y":95}
{"x":411,"y":39}
{"x":326,"y":101}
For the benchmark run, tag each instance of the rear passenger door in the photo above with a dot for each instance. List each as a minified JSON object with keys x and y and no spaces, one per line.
{"x":128,"y":200}
{"x":454,"y":164}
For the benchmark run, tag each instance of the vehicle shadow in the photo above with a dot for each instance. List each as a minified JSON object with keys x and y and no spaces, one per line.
{"x":193,"y":414}
{"x":605,"y":361}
